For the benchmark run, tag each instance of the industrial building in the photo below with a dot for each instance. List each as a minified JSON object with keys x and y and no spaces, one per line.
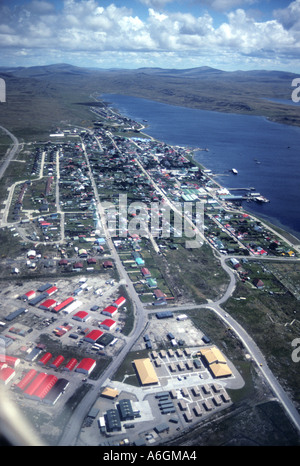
{"x":71,"y":365}
{"x":108,"y":324}
{"x":57,"y":362}
{"x":216,"y":362}
{"x":119,"y":302}
{"x":86,"y":366}
{"x":145,"y":371}
{"x":48,"y":304}
{"x":63,"y":304}
{"x":45,"y":359}
{"x":6,"y":374}
{"x":81,"y":316}
{"x":110,"y":311}
{"x":10,"y":361}
{"x":93,"y":336}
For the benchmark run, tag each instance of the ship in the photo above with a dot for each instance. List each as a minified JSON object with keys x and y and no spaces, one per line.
{"x":234,"y":171}
{"x":262,"y":199}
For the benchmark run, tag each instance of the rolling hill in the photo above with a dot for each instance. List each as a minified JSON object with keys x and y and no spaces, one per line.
{"x":43,"y":97}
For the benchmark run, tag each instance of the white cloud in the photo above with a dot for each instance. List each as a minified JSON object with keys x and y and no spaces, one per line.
{"x":159,"y":4}
{"x":83,"y":27}
{"x":226,"y":5}
{"x":289,"y":17}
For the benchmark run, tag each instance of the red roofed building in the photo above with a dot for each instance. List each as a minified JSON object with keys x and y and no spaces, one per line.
{"x":91,"y":261}
{"x":29,"y":391}
{"x":51,"y":290}
{"x":120,"y":301}
{"x":146,"y":273}
{"x":108,"y":324}
{"x":26,"y":379}
{"x":46,"y":358}
{"x":110,"y":311}
{"x":93,"y":336}
{"x":7,"y":374}
{"x":82,"y":316}
{"x":57,"y":361}
{"x":107,"y":264}
{"x":63,"y":262}
{"x":29,"y":295}
{"x":48,"y":305}
{"x":9,"y":360}
{"x":63,"y":304}
{"x":86,"y":366}
{"x":71,"y":365}
{"x":44,"y":387}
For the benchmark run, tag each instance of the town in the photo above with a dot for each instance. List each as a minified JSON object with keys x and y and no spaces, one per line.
{"x":96,"y":235}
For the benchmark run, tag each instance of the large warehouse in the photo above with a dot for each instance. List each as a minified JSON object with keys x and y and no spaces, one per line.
{"x":48,"y":304}
{"x":216,"y":362}
{"x":63,"y":304}
{"x":145,"y":371}
{"x":9,"y":360}
{"x":86,"y":366}
{"x":110,"y":311}
{"x":93,"y":336}
{"x":81,"y":316}
{"x":42,"y":387}
{"x":108,"y":324}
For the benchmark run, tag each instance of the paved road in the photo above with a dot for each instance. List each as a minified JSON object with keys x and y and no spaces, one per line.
{"x":249,"y":344}
{"x":10,"y":153}
{"x":72,"y":429}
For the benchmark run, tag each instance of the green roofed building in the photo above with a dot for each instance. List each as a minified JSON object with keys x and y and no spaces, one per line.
{"x":140,"y":261}
{"x":151,"y":282}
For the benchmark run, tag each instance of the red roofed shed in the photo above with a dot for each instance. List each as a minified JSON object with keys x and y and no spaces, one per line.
{"x":51,"y":290}
{"x":93,"y":336}
{"x":110,"y":311}
{"x":26,"y":379}
{"x":45,"y":358}
{"x":108,"y":324}
{"x":71,"y":364}
{"x":82,"y":316}
{"x":6,"y":374}
{"x":35,"y":384}
{"x":120,"y":301}
{"x":57,"y":361}
{"x":47,"y":383}
{"x":9,"y":360}
{"x":86,"y":366}
{"x":47,"y":305}
{"x":63,"y":304}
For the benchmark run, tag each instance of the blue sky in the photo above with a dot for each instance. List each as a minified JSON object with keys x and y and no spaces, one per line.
{"x":225,"y":34}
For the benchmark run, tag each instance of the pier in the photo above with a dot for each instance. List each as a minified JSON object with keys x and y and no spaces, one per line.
{"x":241,"y":189}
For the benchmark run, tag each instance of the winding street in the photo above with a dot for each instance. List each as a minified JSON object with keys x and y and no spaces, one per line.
{"x":249,"y":344}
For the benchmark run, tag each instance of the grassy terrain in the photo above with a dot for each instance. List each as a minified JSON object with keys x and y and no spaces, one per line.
{"x":40,"y":99}
{"x":268,"y":319}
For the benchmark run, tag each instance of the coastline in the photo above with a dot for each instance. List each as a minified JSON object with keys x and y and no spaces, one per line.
{"x":267,"y":220}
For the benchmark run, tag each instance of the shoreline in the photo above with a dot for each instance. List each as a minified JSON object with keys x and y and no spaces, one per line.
{"x":281,"y":231}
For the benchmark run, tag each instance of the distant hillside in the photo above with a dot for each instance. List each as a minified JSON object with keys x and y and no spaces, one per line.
{"x":43,"y":96}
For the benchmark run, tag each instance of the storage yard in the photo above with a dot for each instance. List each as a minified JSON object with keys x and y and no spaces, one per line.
{"x":56,"y":340}
{"x":166,"y":389}
{"x":50,"y":345}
